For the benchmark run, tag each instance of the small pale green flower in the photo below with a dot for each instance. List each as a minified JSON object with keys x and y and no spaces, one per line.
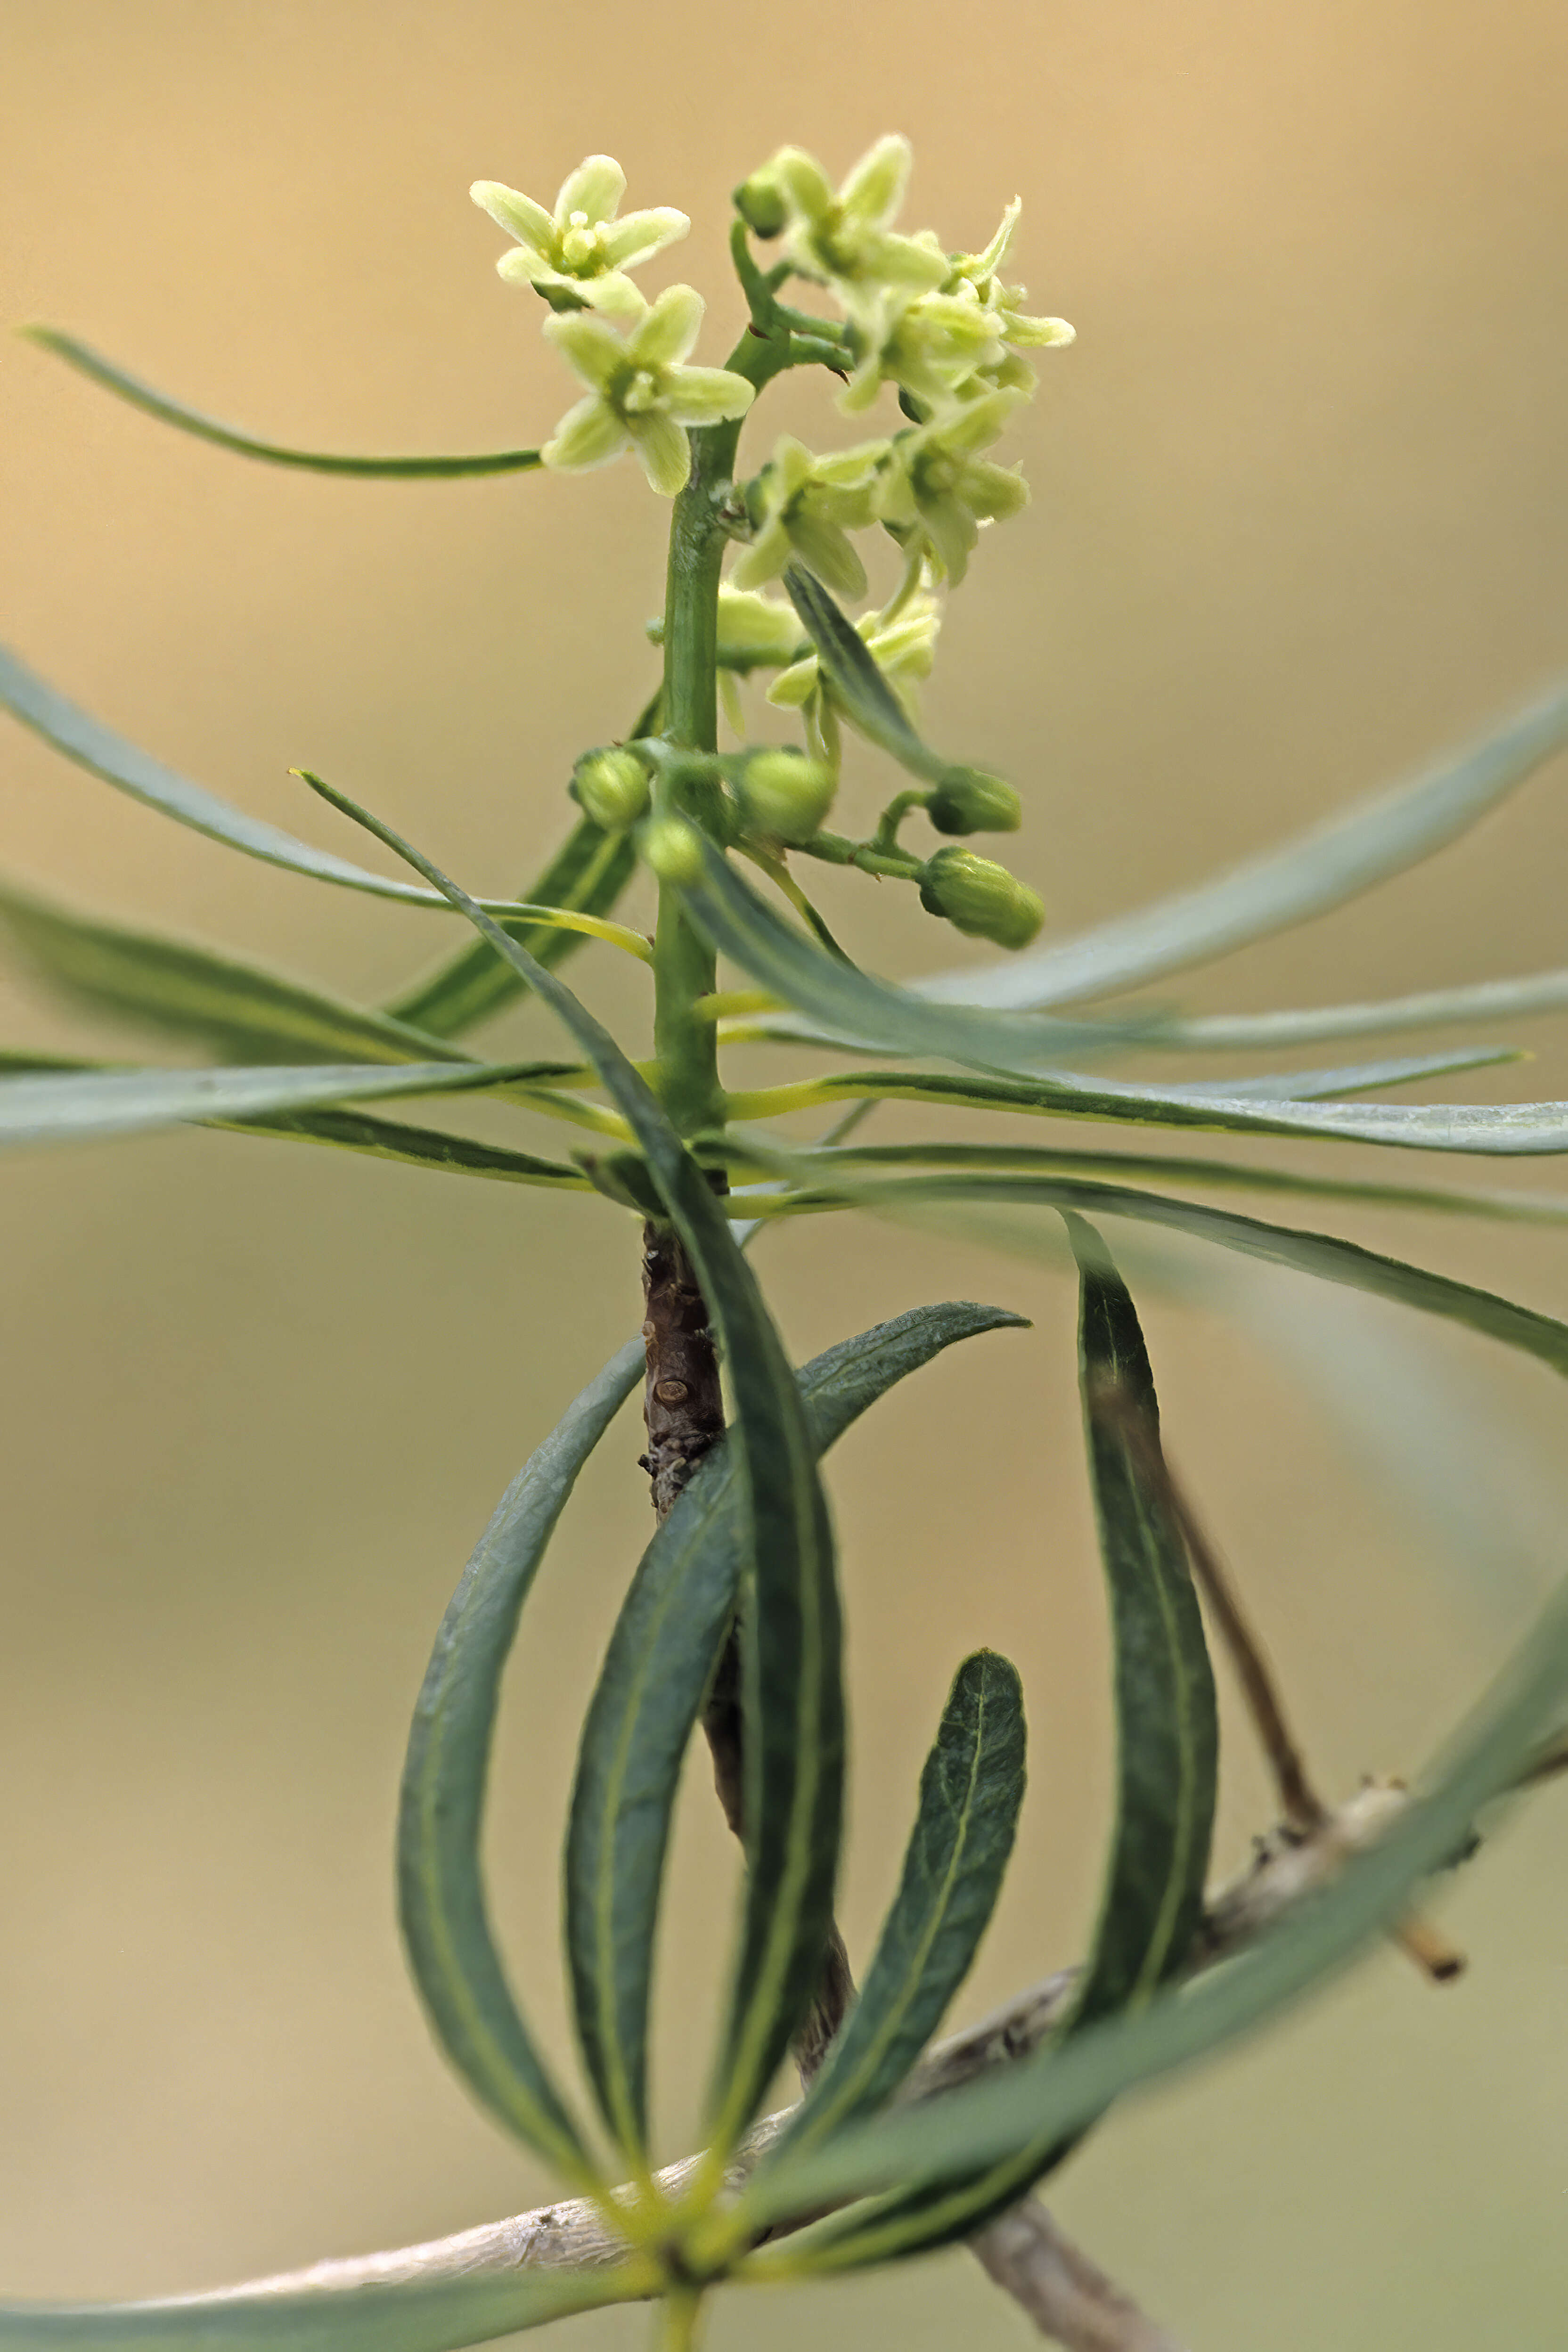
{"x":805,"y":506}
{"x":903,"y":649}
{"x":977,"y":276}
{"x":642,"y":394}
{"x":845,"y":241}
{"x":754,"y":632}
{"x":581,"y":249}
{"x":938,"y":485}
{"x":936,"y":347}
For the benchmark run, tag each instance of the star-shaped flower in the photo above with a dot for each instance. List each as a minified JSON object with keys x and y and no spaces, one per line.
{"x":940,"y":487}
{"x":642,"y":395}
{"x":976,"y":278}
{"x":804,"y":506}
{"x":903,"y":649}
{"x":581,"y":250}
{"x":845,"y":240}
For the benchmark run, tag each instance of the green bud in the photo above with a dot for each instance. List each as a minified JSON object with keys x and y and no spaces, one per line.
{"x":671,"y":848}
{"x":980,"y":898}
{"x":969,"y":800}
{"x":611,"y":787}
{"x":761,"y":203}
{"x":785,"y":796}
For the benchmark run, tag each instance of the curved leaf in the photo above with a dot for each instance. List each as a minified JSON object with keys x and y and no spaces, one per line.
{"x":971,"y":1789}
{"x":1481,"y":1000}
{"x":175,"y":986}
{"x":413,"y":1147}
{"x":441,"y":1898}
{"x":1319,"y":869}
{"x":78,"y":1106}
{"x":867,"y":700}
{"x":794,"y":1700}
{"x":660,"y":1657}
{"x":406,"y":2315}
{"x":130,"y":388}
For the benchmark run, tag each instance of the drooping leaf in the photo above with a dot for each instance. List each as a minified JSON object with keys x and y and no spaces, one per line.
{"x":441,"y":1896}
{"x":404,"y":2316}
{"x":794,"y":1708}
{"x":414,"y":1147}
{"x":588,"y":872}
{"x":78,"y":1106}
{"x":660,"y":1657}
{"x":847,"y":661}
{"x":1319,"y":869}
{"x":186,"y":991}
{"x":130,"y":388}
{"x":1481,"y":1000}
{"x":1167,"y":1745}
{"x":971,"y":1789}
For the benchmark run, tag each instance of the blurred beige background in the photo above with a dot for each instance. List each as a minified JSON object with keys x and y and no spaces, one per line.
{"x":1298,"y":523}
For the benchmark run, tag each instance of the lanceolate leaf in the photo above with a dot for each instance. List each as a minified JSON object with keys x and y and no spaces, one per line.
{"x":130,"y":388}
{"x":1482,"y":1000}
{"x":441,"y":1896}
{"x":793,"y":1695}
{"x":866,"y":698}
{"x":1167,"y":1743}
{"x":971,"y":1789}
{"x":661,"y":1656}
{"x":186,"y":991}
{"x":1319,"y":869}
{"x":414,"y":1147}
{"x":1057,"y":2091}
{"x":76,"y":1107}
{"x":407,"y":2315}
{"x":588,"y":872}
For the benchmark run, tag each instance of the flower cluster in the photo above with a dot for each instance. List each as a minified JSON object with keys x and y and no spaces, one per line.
{"x":641,"y":394}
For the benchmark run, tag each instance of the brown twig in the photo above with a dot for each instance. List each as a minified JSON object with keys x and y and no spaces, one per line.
{"x":1031,"y":2258}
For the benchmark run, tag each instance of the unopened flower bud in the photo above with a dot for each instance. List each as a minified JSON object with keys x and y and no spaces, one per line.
{"x":980,"y":898}
{"x":969,"y":800}
{"x":785,"y":795}
{"x":672,"y":849}
{"x":611,"y":787}
{"x":760,"y":201}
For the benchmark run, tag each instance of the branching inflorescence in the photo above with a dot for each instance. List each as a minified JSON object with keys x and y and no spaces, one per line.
{"x":731,"y":1618}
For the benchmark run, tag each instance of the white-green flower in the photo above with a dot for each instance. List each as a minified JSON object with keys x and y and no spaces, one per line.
{"x":937,"y":347}
{"x":845,"y":240}
{"x":581,"y":248}
{"x":806,"y":506}
{"x":641,"y":394}
{"x":757,"y":632}
{"x":938,"y":485}
{"x":976,"y":277}
{"x":903,"y":649}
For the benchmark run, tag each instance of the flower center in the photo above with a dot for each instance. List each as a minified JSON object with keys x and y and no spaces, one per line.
{"x":583,"y":246}
{"x":640,"y":395}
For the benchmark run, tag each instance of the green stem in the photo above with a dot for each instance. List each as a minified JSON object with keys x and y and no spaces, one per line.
{"x":676,"y":2324}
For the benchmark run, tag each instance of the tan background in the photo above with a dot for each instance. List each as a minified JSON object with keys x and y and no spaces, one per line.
{"x":1299,"y":522}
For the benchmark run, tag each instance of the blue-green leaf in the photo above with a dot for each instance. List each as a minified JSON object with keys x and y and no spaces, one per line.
{"x":660,"y":1657}
{"x":971,"y":1790}
{"x":406,"y":2315}
{"x":1481,"y":1000}
{"x":78,"y":1106}
{"x":441,"y":1895}
{"x":130,"y":388}
{"x":186,"y":991}
{"x":1321,"y":868}
{"x":414,"y":1147}
{"x":862,"y":692}
{"x":792,"y":1688}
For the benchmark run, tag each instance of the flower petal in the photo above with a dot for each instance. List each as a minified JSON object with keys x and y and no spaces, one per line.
{"x":663,"y":451}
{"x":875,"y":188}
{"x":615,"y":295}
{"x":701,"y":395}
{"x":517,"y":214}
{"x":640,"y":236}
{"x":1036,"y":334}
{"x":587,"y":436}
{"x":993,"y":493}
{"x":596,"y":351}
{"x":795,"y":685}
{"x":764,"y":558}
{"x":804,"y":181}
{"x":823,"y":549}
{"x":670,"y":329}
{"x":595,"y":188}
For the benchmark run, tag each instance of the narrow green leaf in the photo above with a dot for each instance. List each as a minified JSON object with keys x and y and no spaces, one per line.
{"x":78,"y":1106}
{"x":441,"y":1895}
{"x":185,"y":991}
{"x":1482,"y":1000}
{"x":971,"y":1790}
{"x":413,"y":1147}
{"x":1167,"y":1745}
{"x":406,"y":2315}
{"x":1347,"y":1079}
{"x":660,"y":1657}
{"x":844,"y":659}
{"x":793,"y":1692}
{"x":1319,"y":869}
{"x":1057,"y":2091}
{"x":130,"y":388}
{"x":588,"y":872}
